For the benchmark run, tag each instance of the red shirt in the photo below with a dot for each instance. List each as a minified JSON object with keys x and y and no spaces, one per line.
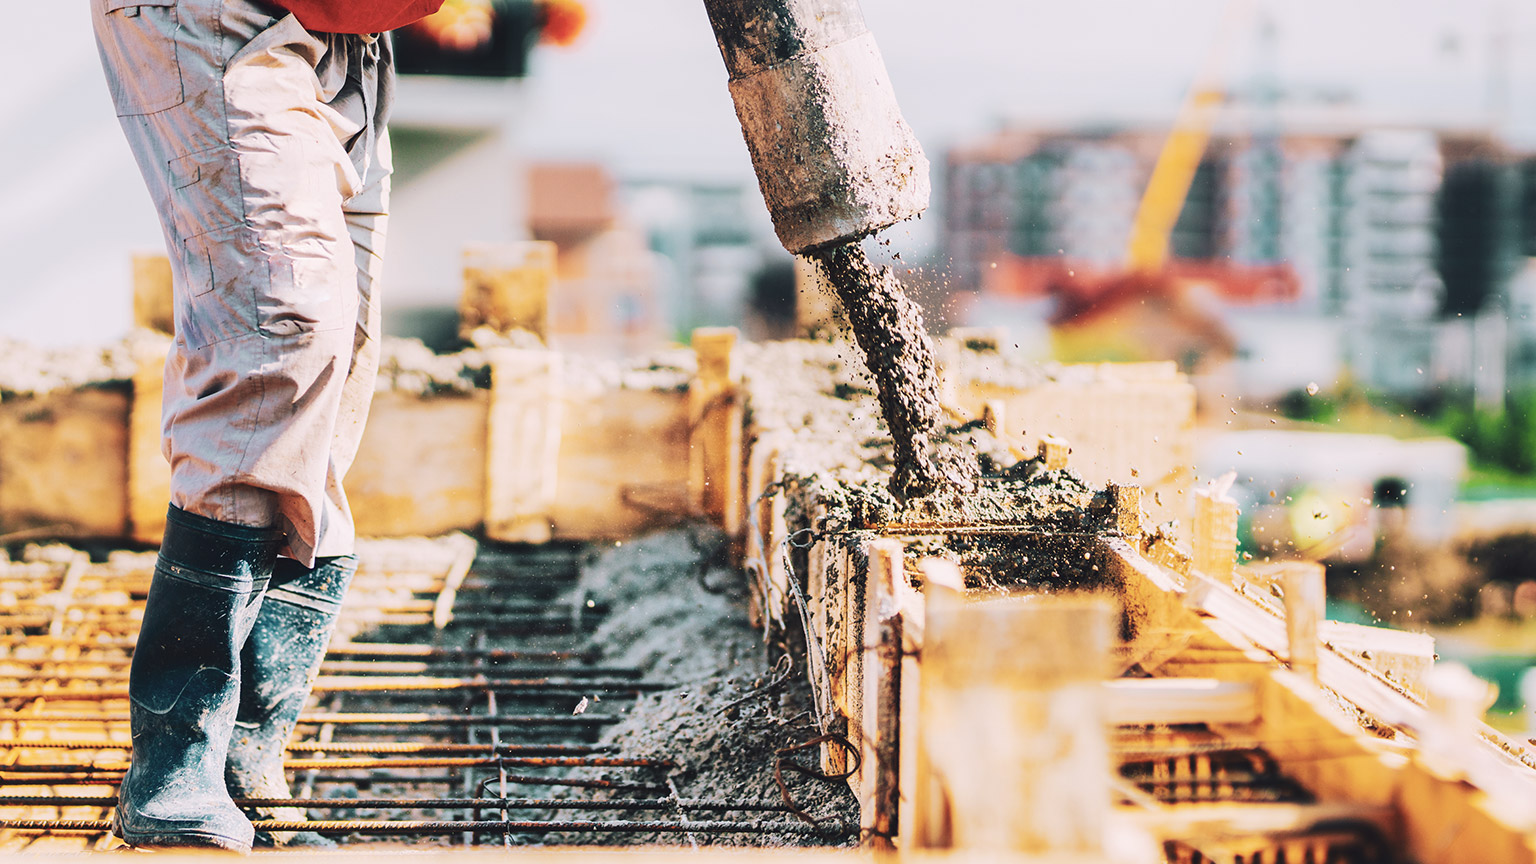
{"x":358,"y":16}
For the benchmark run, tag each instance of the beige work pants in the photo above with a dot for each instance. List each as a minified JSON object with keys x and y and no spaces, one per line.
{"x":264,"y":149}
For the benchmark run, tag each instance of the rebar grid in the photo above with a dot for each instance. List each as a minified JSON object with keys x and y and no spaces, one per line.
{"x":66,"y":645}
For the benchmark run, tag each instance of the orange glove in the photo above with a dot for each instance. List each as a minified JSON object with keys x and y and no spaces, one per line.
{"x":460,"y":25}
{"x":561,"y":21}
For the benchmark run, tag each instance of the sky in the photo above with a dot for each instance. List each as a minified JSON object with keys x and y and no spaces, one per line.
{"x":644,"y":91}
{"x":645,"y":87}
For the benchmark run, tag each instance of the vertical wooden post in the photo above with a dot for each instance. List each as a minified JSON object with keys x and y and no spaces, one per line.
{"x":153,"y":307}
{"x":880,"y":793}
{"x":1024,"y":675}
{"x":506,"y":288}
{"x":777,"y":601}
{"x":1055,"y":452}
{"x":925,"y":819}
{"x":1303,"y":585}
{"x":1125,"y":507}
{"x":1457,"y":700}
{"x":522,"y":449}
{"x":835,"y":758}
{"x":758,"y":553}
{"x":1215,"y":540}
{"x":856,"y":656}
{"x":149,"y":477}
{"x":819,"y":648}
{"x":715,"y":418}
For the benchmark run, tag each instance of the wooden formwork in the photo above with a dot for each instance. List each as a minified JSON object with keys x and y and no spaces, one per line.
{"x":529,"y":459}
{"x":533,"y":457}
{"x":1209,"y":661}
{"x":1126,"y":423}
{"x":1203,"y":654}
{"x":63,"y":463}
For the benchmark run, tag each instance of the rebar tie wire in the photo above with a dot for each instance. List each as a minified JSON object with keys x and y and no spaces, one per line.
{"x":815,"y":652}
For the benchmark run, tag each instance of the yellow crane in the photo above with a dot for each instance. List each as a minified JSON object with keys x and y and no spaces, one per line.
{"x":1179,"y":159}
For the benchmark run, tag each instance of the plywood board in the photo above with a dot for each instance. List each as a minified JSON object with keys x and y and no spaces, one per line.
{"x":522,"y":445}
{"x":623,"y":463}
{"x":1130,"y":424}
{"x":420,"y":469}
{"x":63,"y":463}
{"x":148,"y":473}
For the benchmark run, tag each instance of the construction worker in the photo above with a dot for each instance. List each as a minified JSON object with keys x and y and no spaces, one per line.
{"x":259,"y":129}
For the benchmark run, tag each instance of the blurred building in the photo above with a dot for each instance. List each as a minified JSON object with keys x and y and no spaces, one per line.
{"x":607,"y":297}
{"x":711,"y":247}
{"x":1390,"y":252}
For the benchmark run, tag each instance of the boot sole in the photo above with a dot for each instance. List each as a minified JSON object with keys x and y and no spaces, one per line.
{"x":178,"y":840}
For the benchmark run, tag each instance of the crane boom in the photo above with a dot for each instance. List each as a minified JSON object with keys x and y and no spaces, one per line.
{"x":1180,"y":157}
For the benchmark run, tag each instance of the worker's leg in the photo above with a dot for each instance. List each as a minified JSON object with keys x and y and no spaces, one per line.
{"x":250,"y":171}
{"x":283,"y":655}
{"x":278,"y":666}
{"x":229,"y":113}
{"x":203,"y":600}
{"x":367,"y":217}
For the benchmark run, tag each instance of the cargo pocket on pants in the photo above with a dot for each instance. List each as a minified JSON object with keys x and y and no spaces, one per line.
{"x":225,"y":273}
{"x":305,"y":295}
{"x":138,"y":47}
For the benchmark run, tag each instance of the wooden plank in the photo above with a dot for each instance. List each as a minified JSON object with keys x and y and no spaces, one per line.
{"x":148,"y":486}
{"x":1128,"y":423}
{"x":1402,"y":658}
{"x":855,"y":583}
{"x":623,"y":463}
{"x":762,"y":463}
{"x":1025,"y":675}
{"x":1158,"y":626}
{"x":820,"y":650}
{"x":1218,"y":820}
{"x":715,"y":415}
{"x":925,"y":820}
{"x":880,"y":781}
{"x":1172,"y":701}
{"x":1305,"y":599}
{"x":63,"y":463}
{"x":776,"y":535}
{"x":420,"y":469}
{"x":836,"y":758}
{"x":1215,"y":534}
{"x":153,"y":306}
{"x":913,"y":774}
{"x":522,"y":445}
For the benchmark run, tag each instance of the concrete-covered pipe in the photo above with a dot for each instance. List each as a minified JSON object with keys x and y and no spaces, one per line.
{"x":833,"y":155}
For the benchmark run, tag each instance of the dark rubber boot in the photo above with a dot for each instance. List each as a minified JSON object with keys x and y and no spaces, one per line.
{"x":184,"y":685}
{"x":278,"y":667}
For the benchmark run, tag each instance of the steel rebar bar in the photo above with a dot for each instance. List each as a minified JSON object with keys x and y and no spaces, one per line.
{"x":699,"y":804}
{"x":428,"y":828}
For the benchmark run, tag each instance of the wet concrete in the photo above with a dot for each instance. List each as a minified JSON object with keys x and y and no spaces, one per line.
{"x":888,"y":328}
{"x":678,"y":613}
